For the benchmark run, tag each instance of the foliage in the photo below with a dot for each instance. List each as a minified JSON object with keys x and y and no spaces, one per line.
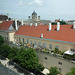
{"x":53,"y":71}
{"x":62,"y":22}
{"x":66,"y":56}
{"x":39,"y":68}
{"x":13,"y":53}
{"x":5,"y":50}
{"x":72,"y":72}
{"x":62,"y":52}
{"x":27,"y":58}
{"x":56,"y":50}
{"x":1,"y":40}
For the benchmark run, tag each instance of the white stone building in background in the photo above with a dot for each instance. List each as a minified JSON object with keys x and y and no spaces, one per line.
{"x":35,"y":19}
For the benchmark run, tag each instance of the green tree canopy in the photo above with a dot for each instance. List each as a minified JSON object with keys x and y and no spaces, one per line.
{"x":72,"y":72}
{"x":1,"y":40}
{"x":5,"y":50}
{"x":27,"y":58}
{"x":13,"y":53}
{"x":53,"y":71}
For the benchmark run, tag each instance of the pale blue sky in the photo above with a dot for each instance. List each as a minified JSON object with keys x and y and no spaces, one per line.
{"x":47,"y":9}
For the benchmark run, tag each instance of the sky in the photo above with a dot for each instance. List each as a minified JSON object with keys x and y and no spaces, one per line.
{"x":46,"y":9}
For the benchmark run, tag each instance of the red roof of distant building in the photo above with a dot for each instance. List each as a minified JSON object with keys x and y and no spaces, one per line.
{"x":5,"y":25}
{"x":66,"y":32}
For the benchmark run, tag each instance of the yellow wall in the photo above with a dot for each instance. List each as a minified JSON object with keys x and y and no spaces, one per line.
{"x":62,"y":46}
{"x":5,"y":35}
{"x":9,"y":36}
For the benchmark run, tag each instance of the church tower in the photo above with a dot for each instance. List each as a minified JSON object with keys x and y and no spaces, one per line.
{"x":34,"y":16}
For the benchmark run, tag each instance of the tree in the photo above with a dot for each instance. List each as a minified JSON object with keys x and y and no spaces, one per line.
{"x":53,"y":71}
{"x":13,"y":53}
{"x":56,"y":50}
{"x":1,"y":40}
{"x":5,"y":50}
{"x":72,"y":72}
{"x":27,"y":58}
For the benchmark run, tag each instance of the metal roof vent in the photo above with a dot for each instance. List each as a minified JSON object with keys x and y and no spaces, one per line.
{"x":35,"y":24}
{"x":22,"y":22}
{"x":58,"y":26}
{"x":41,"y":35}
{"x":49,"y":26}
{"x":30,"y":24}
{"x":74,"y":25}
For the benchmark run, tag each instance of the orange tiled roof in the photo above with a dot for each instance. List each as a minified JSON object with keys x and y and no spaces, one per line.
{"x":5,"y":25}
{"x":66,"y":32}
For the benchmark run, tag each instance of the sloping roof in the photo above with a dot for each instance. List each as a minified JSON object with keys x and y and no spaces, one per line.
{"x":66,"y":32}
{"x":5,"y":25}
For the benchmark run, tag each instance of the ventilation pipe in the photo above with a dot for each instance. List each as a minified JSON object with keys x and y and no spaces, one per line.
{"x":49,"y":26}
{"x":35,"y":24}
{"x":30,"y":24}
{"x":22,"y":22}
{"x":74,"y":25}
{"x":58,"y":26}
{"x":41,"y":35}
{"x":16,"y":24}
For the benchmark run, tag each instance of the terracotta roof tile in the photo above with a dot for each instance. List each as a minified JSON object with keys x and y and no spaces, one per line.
{"x":5,"y":25}
{"x":66,"y":32}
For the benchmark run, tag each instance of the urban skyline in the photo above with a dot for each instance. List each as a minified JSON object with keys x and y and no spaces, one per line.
{"x":47,"y":9}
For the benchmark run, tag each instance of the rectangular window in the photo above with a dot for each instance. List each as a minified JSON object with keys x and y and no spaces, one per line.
{"x":7,"y":38}
{"x":50,"y":46}
{"x":23,"y":40}
{"x":35,"y":42}
{"x":31,"y":42}
{"x":39,"y":44}
{"x":19,"y":39}
{"x":44,"y":45}
{"x":57,"y":47}
{"x":27,"y":41}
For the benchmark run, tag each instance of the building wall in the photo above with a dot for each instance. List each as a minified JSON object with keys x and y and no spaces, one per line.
{"x":48,"y":61}
{"x":11,"y":36}
{"x":70,"y":22}
{"x":61,"y":46}
{"x":8,"y":36}
{"x":5,"y":35}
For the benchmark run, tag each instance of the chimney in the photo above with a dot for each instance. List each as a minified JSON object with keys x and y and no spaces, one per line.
{"x":41,"y":35}
{"x":22,"y":22}
{"x":16,"y":24}
{"x":58,"y":26}
{"x":74,"y":25}
{"x":30,"y":24}
{"x":35,"y":24}
{"x":49,"y":26}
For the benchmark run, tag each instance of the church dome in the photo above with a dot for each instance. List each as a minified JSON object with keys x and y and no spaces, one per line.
{"x":34,"y":13}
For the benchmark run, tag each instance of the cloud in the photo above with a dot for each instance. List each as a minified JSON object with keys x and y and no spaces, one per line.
{"x":36,"y":2}
{"x":20,"y":3}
